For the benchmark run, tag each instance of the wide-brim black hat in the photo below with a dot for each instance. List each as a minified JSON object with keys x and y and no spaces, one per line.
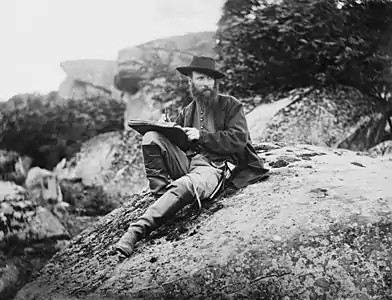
{"x":201,"y":64}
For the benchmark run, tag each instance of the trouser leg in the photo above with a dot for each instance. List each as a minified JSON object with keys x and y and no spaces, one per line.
{"x":163,"y":161}
{"x":164,"y":208}
{"x":201,"y":179}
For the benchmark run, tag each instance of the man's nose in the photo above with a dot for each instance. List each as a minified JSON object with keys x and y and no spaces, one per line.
{"x":207,"y":84}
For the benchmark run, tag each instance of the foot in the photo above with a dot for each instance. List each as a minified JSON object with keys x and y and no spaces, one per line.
{"x":126,"y":245}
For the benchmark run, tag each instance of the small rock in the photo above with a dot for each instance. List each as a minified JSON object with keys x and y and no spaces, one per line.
{"x":357,"y":164}
{"x":312,"y":154}
{"x":6,"y":208}
{"x":277,"y":238}
{"x":8,"y":276}
{"x":321,"y":191}
{"x":322,"y":282}
{"x":279,"y":164}
{"x":266,"y":147}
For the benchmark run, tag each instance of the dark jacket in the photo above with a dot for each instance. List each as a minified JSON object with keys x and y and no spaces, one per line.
{"x":230,"y":141}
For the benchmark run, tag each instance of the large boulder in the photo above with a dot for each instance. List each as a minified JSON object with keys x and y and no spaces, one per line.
{"x":29,"y":235}
{"x":111,"y":160}
{"x":335,"y":117}
{"x":95,"y":77}
{"x":259,"y":116}
{"x":32,"y":230}
{"x":154,"y":64}
{"x":318,"y":228}
{"x":383,"y":148}
{"x":142,"y":105}
{"x":24,"y":220}
{"x":88,"y":78}
{"x":145,"y":62}
{"x":13,"y":167}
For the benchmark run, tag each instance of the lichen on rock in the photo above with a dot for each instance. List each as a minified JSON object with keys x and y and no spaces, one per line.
{"x":318,"y":228}
{"x":315,"y":116}
{"x":112,"y":160}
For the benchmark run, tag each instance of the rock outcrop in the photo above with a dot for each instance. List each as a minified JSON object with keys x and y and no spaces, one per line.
{"x":154,"y":63}
{"x":335,"y":117}
{"x":91,"y":78}
{"x":170,"y":52}
{"x":22,"y":219}
{"x":88,"y":79}
{"x":32,"y":229}
{"x":318,"y":228}
{"x":259,"y":117}
{"x":29,"y":236}
{"x":142,"y":105}
{"x":383,"y":148}
{"x":13,"y":167}
{"x":111,"y":160}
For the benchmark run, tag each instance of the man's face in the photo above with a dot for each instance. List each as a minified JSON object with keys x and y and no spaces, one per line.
{"x":203,"y":83}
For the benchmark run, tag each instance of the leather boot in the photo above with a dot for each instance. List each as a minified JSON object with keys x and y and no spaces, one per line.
{"x":155,"y":167}
{"x":126,"y":244}
{"x":156,"y":215}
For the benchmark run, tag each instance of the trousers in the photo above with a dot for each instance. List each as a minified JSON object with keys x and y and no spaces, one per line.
{"x":173,"y":176}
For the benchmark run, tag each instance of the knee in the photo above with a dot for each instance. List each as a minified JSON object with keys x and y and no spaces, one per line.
{"x":151,"y":137}
{"x":182,"y":188}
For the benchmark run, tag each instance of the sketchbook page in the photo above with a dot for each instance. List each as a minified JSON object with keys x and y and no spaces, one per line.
{"x":170,"y":130}
{"x":132,"y":123}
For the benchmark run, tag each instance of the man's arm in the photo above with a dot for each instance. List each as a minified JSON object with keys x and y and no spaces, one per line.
{"x":229,"y":141}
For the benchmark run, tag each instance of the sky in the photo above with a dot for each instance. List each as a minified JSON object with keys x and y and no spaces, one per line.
{"x":36,"y":35}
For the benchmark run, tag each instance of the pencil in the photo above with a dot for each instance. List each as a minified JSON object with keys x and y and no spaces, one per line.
{"x":167,"y":116}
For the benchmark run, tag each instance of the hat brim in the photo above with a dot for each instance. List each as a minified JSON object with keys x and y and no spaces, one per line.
{"x":187,"y":71}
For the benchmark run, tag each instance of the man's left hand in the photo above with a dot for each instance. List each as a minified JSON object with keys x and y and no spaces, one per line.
{"x":192,"y":133}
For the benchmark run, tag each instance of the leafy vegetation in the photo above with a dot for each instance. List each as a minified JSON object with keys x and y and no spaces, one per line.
{"x":267,"y":47}
{"x":263,"y":46}
{"x":48,"y":131}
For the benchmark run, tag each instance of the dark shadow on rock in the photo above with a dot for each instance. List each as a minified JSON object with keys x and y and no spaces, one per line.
{"x":179,"y":227}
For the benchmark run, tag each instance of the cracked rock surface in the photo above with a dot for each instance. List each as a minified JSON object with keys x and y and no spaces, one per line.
{"x":314,"y":116}
{"x":29,"y":235}
{"x":318,"y":228}
{"x":23,"y":219}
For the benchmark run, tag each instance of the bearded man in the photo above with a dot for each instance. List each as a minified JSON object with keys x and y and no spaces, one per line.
{"x":217,"y":126}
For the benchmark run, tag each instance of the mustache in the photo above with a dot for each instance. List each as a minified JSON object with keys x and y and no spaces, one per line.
{"x":201,"y":91}
{"x":207,"y":99}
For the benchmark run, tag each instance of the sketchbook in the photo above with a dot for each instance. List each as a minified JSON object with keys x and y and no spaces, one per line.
{"x":172,"y":131}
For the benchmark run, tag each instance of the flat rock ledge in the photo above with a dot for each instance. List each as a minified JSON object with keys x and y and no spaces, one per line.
{"x":319,"y":228}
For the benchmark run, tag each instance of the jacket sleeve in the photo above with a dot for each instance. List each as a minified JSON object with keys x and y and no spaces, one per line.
{"x":231,"y":140}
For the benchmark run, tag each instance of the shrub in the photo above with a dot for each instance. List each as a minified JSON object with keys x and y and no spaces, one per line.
{"x":294,"y":43}
{"x":48,"y":131}
{"x":89,"y":200}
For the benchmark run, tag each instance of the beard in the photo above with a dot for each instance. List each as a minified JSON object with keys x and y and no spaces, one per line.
{"x":206,"y":97}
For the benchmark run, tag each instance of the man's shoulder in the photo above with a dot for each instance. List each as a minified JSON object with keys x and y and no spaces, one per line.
{"x":228,"y":100}
{"x":189,"y":106}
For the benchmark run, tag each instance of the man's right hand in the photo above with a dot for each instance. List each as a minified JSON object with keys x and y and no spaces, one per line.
{"x":163,"y":118}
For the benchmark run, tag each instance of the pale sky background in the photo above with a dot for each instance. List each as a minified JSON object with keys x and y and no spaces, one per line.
{"x":36,"y":35}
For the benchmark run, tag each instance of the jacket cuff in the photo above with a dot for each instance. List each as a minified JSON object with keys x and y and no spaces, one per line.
{"x":203,"y":137}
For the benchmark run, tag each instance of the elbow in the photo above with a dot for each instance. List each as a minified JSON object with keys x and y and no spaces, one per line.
{"x":241,"y":143}
{"x":238,"y":145}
